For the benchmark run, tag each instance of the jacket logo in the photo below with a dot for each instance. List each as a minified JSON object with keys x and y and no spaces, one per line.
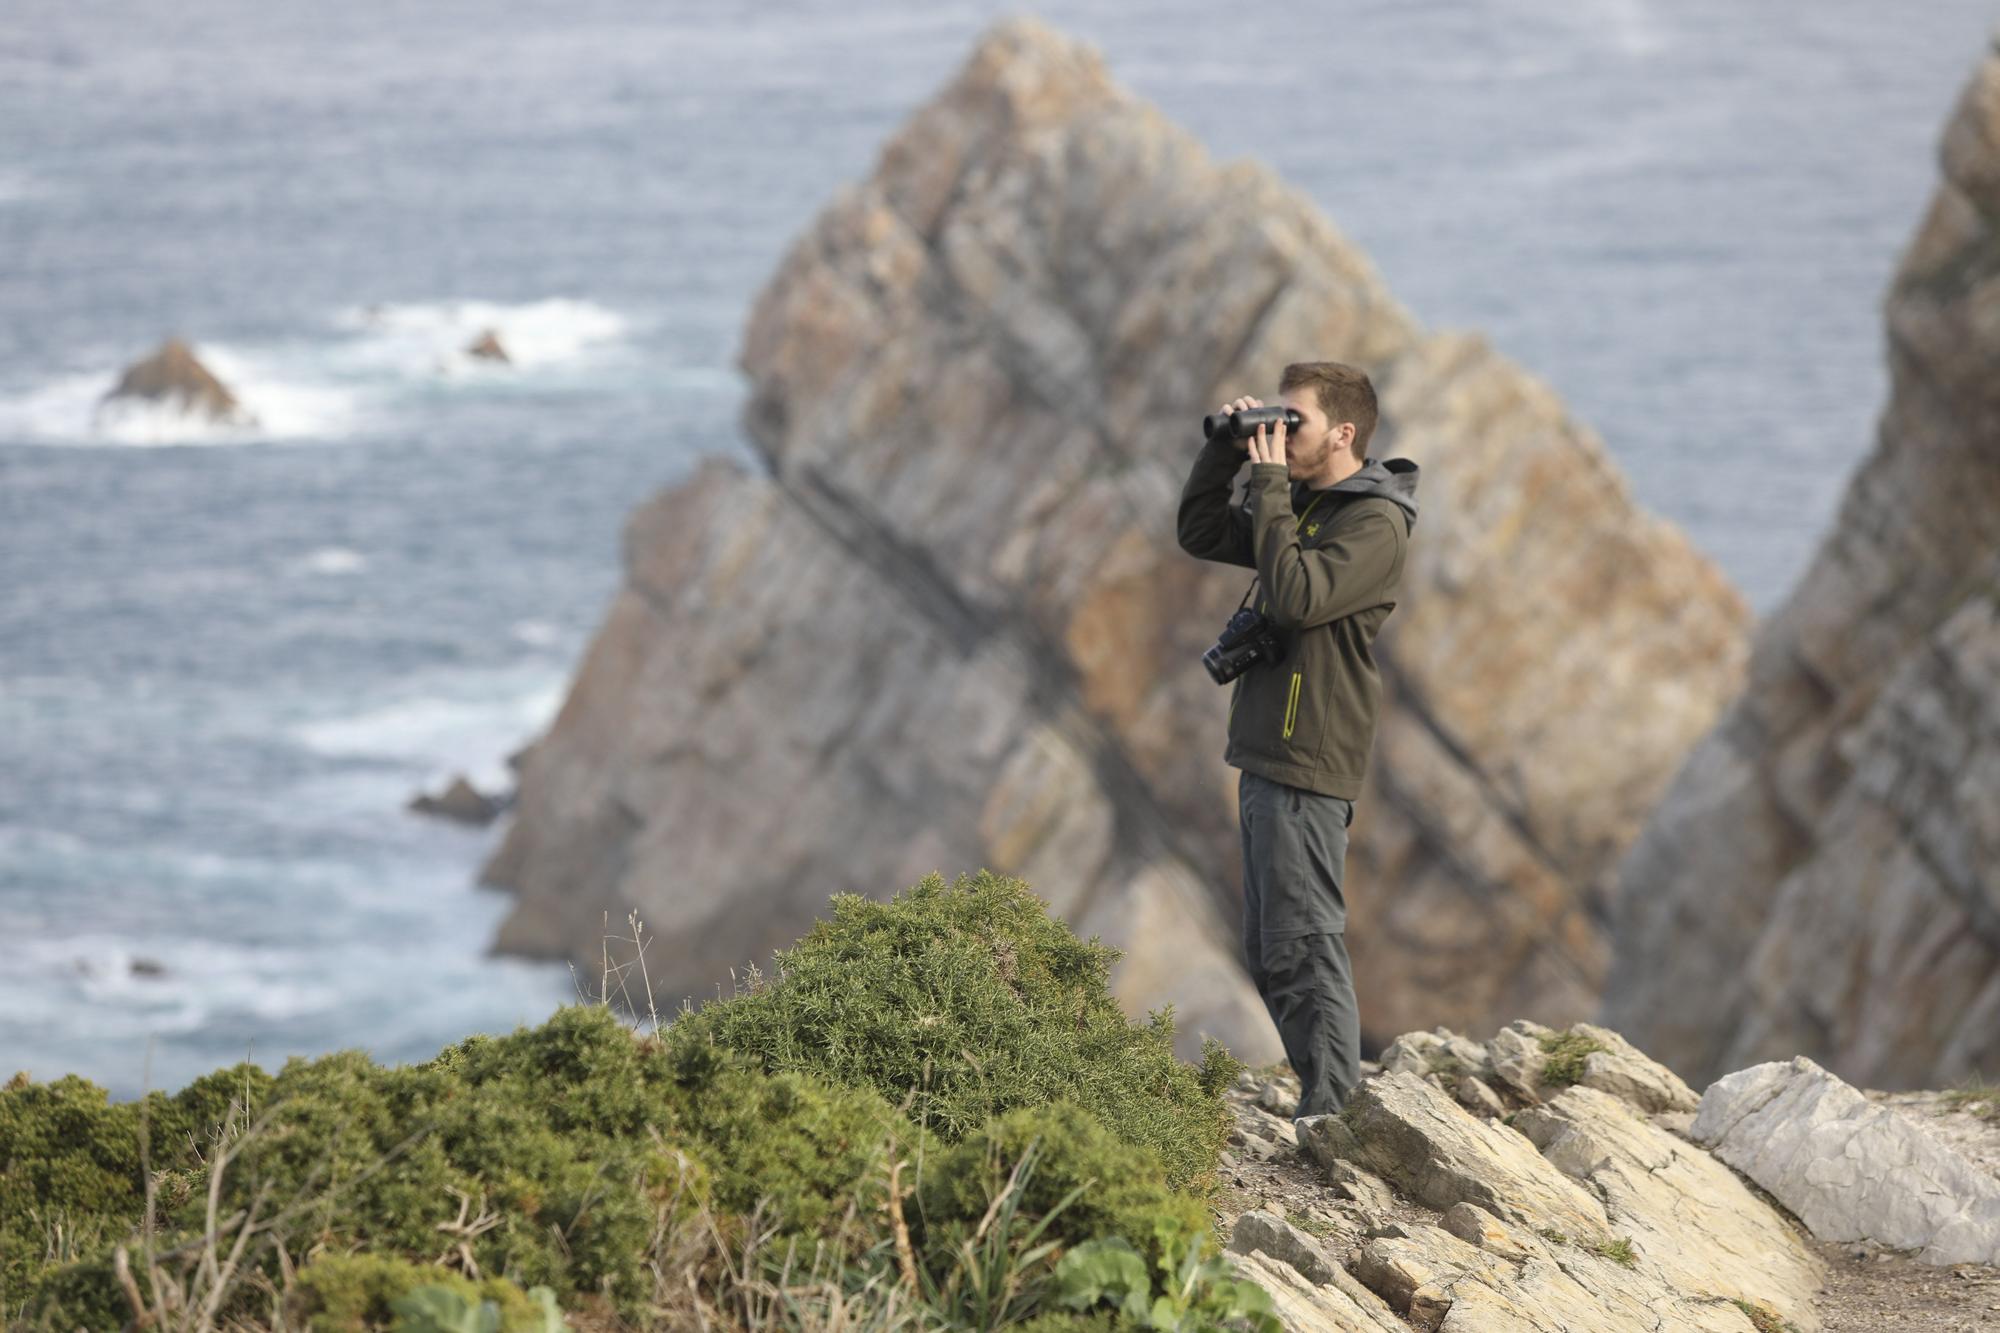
{"x":1311,"y":530}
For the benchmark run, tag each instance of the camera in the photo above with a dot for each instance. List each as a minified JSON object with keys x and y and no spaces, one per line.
{"x":1242,"y":425}
{"x":1246,"y":640}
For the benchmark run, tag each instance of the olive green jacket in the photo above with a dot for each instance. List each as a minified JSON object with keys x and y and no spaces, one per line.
{"x":1329,"y":564}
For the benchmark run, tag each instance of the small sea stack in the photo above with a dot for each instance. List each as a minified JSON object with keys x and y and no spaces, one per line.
{"x":461,"y":801}
{"x":488,"y":347}
{"x":172,"y":373}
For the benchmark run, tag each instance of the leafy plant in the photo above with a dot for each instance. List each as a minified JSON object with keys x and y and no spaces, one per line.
{"x":1198,"y":1291}
{"x":441,"y":1309}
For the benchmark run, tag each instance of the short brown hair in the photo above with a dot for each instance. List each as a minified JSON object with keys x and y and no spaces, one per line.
{"x":1344,"y":394}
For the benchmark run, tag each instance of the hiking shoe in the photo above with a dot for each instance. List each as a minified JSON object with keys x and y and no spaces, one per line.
{"x":1302,"y":1123}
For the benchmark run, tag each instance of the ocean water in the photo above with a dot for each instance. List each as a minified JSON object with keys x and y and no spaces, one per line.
{"x":229,"y":656}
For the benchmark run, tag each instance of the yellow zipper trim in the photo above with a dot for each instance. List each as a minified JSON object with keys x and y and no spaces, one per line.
{"x":1292,"y":701}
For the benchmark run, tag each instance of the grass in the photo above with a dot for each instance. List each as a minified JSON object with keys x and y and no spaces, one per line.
{"x":1446,"y":1064}
{"x":1306,"y":1222}
{"x":1566,"y":1051}
{"x":1975,"y":1096}
{"x":1763,"y":1317}
{"x":1619,"y":1250}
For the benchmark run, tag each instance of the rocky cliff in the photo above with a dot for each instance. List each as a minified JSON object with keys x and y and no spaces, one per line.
{"x":944,"y":622}
{"x":1823,"y":876}
{"x":1562,"y":1181}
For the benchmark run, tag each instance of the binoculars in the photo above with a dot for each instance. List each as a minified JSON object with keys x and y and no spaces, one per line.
{"x":1242,"y":425}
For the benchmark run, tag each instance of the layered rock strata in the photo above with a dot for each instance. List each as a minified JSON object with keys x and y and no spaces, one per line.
{"x":1573,"y":1208}
{"x":1823,"y":876}
{"x":944,"y":622}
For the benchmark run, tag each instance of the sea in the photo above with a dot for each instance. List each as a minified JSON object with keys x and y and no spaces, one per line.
{"x":229,"y":656}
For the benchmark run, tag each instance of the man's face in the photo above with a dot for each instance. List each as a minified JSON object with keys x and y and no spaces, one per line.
{"x":1308,"y":448}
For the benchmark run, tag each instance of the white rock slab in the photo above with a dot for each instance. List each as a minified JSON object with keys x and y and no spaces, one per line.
{"x":1848,"y":1168}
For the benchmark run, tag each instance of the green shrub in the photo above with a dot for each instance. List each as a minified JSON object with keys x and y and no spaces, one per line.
{"x":546,"y":1156}
{"x":559,"y":1156}
{"x":1124,"y":1189}
{"x":969,"y":1000}
{"x":70,"y":1183}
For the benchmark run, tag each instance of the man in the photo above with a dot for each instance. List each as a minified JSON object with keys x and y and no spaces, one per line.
{"x":1327,"y":529}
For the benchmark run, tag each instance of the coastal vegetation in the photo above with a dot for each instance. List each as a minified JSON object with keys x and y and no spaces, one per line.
{"x":931,"y":1115}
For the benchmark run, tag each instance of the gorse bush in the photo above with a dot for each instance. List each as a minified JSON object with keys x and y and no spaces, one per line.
{"x":544,"y":1156}
{"x":970,"y":999}
{"x":945,"y":1038}
{"x":1123,"y":1189}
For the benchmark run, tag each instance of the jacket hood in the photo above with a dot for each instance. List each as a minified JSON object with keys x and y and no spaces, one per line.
{"x":1392,"y":478}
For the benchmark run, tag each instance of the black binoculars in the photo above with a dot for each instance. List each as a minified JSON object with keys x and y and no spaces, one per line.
{"x":1242,"y":425}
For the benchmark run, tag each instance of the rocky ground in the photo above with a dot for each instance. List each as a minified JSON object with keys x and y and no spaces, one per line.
{"x":1448,"y":1198}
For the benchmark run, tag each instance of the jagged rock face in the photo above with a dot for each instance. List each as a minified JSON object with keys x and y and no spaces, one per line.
{"x":951,"y":626}
{"x":1823,"y":877}
{"x":173,"y":373}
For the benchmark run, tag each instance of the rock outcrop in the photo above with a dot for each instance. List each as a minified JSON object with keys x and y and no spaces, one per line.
{"x":1823,"y":876}
{"x":488,"y":347}
{"x":1578,"y":1208}
{"x":945,"y":623}
{"x":174,"y":378}
{"x":1850,"y":1169}
{"x":461,"y":801}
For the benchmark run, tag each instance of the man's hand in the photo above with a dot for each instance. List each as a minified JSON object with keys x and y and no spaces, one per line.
{"x":1268,"y":449}
{"x":1261,"y":447}
{"x":1237,"y":406}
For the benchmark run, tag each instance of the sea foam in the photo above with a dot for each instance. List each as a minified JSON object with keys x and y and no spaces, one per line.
{"x":462,"y":724}
{"x":355,"y":376}
{"x":419,"y":338}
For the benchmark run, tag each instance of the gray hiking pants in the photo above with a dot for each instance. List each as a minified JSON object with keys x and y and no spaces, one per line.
{"x":1295,"y":932}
